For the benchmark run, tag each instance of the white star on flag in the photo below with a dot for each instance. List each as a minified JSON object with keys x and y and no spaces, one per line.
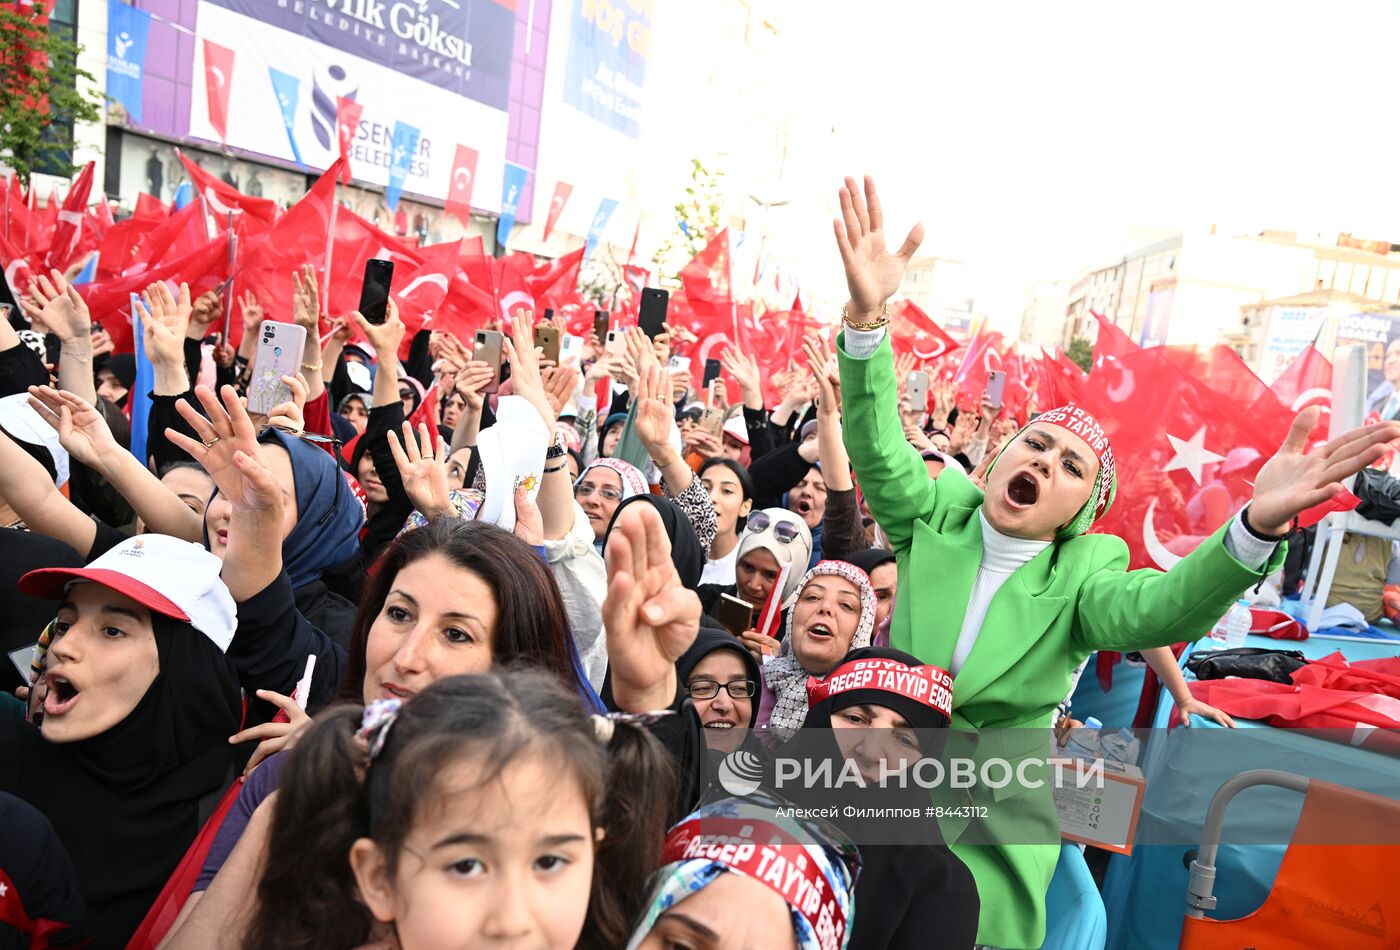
{"x":3,"y":890}
{"x":1191,"y":454}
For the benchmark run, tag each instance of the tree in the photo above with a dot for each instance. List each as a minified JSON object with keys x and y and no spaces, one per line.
{"x":1081,"y":352}
{"x":39,"y":79}
{"x":697,"y":218}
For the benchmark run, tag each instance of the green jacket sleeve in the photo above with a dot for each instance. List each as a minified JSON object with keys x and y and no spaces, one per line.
{"x":1135,"y":610}
{"x":892,"y":475}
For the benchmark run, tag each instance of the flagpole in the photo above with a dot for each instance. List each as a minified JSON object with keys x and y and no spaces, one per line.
{"x":228,"y":292}
{"x":330,"y":246}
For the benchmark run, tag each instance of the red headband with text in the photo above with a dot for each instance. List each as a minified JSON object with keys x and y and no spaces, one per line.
{"x":1073,"y":419}
{"x":767,"y":854}
{"x":927,"y":685}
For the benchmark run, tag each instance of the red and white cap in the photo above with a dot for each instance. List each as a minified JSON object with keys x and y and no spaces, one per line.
{"x":737,"y":429}
{"x":171,"y":577}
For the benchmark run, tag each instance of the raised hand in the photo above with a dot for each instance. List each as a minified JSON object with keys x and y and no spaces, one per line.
{"x":559,"y":385}
{"x":252,"y":312}
{"x":744,"y":369}
{"x":226,"y":433}
{"x":164,"y":320}
{"x":205,"y":311}
{"x":340,"y":330}
{"x":1295,"y":480}
{"x":290,"y":415}
{"x":524,"y":358}
{"x":423,"y":469}
{"x":471,"y":380}
{"x":384,"y":337}
{"x":81,"y":428}
{"x":655,"y":416}
{"x":57,"y":305}
{"x":702,"y":442}
{"x":826,"y":373}
{"x":529,"y":523}
{"x":639,"y":348}
{"x":650,"y":619}
{"x":306,"y":306}
{"x":872,"y":272}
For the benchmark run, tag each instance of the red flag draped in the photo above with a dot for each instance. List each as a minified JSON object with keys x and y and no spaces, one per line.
{"x":347,"y":121}
{"x":913,"y":331}
{"x":706,"y":280}
{"x":218,"y":78}
{"x":251,"y":216}
{"x":1111,"y":340}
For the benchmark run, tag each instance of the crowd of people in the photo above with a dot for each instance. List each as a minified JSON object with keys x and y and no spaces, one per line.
{"x":432,"y":656}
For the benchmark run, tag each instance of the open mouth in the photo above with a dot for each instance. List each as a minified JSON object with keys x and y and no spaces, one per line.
{"x":803,"y":506}
{"x":820,"y":630}
{"x":395,"y":691}
{"x":222,"y":535}
{"x":62,"y":695}
{"x":719,"y":724}
{"x":1023,"y":491}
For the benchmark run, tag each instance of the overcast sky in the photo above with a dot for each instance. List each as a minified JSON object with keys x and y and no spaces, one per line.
{"x":1032,"y":138}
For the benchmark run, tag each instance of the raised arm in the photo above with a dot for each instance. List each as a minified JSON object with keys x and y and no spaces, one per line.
{"x":84,"y":433}
{"x":57,"y":304}
{"x":29,"y":491}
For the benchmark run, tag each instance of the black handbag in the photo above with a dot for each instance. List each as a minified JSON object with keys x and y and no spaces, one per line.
{"x":1250,"y":662}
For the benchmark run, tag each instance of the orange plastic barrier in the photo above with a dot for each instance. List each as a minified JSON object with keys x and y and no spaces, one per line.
{"x":1337,"y":894}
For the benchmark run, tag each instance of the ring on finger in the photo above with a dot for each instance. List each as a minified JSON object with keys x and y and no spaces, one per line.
{"x":210,"y":443}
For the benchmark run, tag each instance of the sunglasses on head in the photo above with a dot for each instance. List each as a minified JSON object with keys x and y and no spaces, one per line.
{"x":785,"y":531}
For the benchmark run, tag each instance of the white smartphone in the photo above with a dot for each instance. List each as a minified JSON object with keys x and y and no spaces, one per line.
{"x":570,"y":350}
{"x":996,"y":387}
{"x":279,"y":354}
{"x":678,"y":364}
{"x":616,"y":343}
{"x":918,"y":390}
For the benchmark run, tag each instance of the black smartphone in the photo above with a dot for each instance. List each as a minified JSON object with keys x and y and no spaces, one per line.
{"x":374,"y":292}
{"x":712,"y":370}
{"x":652,"y":317}
{"x":549,"y":313}
{"x":600,"y":325}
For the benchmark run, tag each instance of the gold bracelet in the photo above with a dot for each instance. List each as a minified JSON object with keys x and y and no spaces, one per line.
{"x":875,"y":324}
{"x":312,"y":367}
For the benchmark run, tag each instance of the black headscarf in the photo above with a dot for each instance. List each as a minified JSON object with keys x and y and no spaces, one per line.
{"x":686,"y":552}
{"x":126,"y":803}
{"x":869,"y":559}
{"x":912,"y":895}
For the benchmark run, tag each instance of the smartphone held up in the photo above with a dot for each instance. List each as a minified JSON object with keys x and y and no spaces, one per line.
{"x":374,"y":292}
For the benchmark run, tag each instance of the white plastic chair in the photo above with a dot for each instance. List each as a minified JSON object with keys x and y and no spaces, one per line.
{"x":1348,"y":410}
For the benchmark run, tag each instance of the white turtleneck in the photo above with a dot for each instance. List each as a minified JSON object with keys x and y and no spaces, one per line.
{"x":1001,"y":556}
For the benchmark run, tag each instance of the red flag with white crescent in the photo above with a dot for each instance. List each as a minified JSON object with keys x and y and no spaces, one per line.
{"x":459,"y":186}
{"x":218,"y":80}
{"x":562,"y":191}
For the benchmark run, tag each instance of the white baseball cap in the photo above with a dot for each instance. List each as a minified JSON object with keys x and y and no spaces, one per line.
{"x":171,"y":577}
{"x":736,"y":428}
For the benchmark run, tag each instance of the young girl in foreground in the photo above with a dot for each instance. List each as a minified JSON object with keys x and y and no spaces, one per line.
{"x":490,"y":809}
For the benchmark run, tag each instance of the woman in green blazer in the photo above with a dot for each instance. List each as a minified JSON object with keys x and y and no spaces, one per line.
{"x":1016,"y":555}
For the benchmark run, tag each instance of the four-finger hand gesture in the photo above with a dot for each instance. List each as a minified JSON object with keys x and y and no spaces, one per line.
{"x":81,"y":428}
{"x":164,"y":320}
{"x":306,"y":306}
{"x":423,"y":469}
{"x":57,"y":304}
{"x":227,"y":448}
{"x":872,"y":272}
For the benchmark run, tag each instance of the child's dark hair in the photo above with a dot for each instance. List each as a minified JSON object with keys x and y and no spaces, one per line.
{"x":308,"y":898}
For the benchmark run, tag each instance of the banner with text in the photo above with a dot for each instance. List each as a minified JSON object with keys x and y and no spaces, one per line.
{"x":609,"y":45}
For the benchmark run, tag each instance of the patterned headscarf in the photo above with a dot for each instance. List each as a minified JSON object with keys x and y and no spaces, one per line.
{"x":633,"y":481}
{"x":466,"y":501}
{"x":1078,"y":421}
{"x":745,"y":836}
{"x":785,"y":676}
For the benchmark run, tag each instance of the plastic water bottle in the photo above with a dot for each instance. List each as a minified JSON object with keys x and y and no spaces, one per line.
{"x":1237,"y":624}
{"x":1083,"y":742}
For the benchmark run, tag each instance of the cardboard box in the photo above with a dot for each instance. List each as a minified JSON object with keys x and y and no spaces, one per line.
{"x":1104,"y":817}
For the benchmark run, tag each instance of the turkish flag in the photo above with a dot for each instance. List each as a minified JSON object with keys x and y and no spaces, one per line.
{"x":706,"y":280}
{"x":459,"y":187}
{"x":347,"y":120}
{"x":554,"y":284}
{"x":1186,"y":455}
{"x":63,"y":247}
{"x":218,"y":79}
{"x":556,"y":206}
{"x":985,"y":354}
{"x":110,"y":300}
{"x":16,"y":266}
{"x":1065,"y":381}
{"x":1304,"y":382}
{"x":423,"y":289}
{"x":184,"y":232}
{"x":299,"y":237}
{"x":913,"y":331}
{"x":16,"y":215}
{"x":252,"y":217}
{"x":1111,"y":341}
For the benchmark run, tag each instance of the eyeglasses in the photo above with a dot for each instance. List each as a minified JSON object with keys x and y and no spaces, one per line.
{"x":709,"y":689}
{"x":784,"y":531}
{"x":607,"y":494}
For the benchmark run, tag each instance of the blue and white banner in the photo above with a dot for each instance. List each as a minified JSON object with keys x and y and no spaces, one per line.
{"x":606,"y":207}
{"x":127,"y":30}
{"x":403,"y":147}
{"x":288,"y":90}
{"x":512,"y":186}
